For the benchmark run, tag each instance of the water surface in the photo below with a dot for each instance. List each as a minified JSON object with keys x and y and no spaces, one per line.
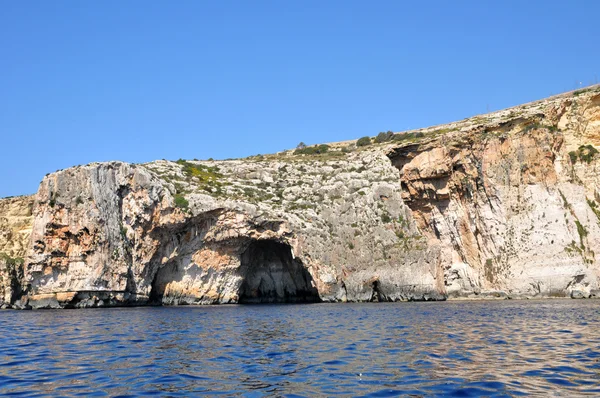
{"x":493,"y":348}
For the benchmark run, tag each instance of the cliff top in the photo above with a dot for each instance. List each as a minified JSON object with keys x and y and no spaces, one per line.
{"x":534,"y":113}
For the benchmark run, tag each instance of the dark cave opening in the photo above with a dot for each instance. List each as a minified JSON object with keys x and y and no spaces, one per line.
{"x":272,"y":275}
{"x":156,"y":291}
{"x":376,"y":295}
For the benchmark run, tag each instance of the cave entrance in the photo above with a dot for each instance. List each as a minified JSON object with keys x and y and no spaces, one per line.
{"x":271,"y":275}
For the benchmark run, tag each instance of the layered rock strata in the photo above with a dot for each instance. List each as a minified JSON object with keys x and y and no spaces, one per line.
{"x":504,"y":205}
{"x":15,"y":229}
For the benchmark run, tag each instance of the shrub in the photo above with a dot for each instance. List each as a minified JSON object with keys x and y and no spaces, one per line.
{"x":537,"y":125}
{"x":363,"y":141}
{"x":181,"y":202}
{"x":384,"y":137}
{"x":573,"y":156}
{"x":408,"y":136}
{"x":582,"y":91}
{"x":312,"y":150}
{"x":581,"y":231}
{"x":13,"y":270}
{"x":207,"y":176}
{"x":323,"y":148}
{"x":594,"y":208}
{"x":204,"y":173}
{"x":585,"y":153}
{"x":10,"y":261}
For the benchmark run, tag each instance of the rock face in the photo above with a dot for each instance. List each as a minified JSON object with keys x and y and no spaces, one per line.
{"x":184,"y":233}
{"x":15,"y":225}
{"x":513,"y":203}
{"x":500,"y":205}
{"x":15,"y":228}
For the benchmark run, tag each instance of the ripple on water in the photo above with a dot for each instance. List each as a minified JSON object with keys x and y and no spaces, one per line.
{"x":463,"y":349}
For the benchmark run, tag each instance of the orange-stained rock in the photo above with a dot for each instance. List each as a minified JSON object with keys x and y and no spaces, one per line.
{"x":501,"y":204}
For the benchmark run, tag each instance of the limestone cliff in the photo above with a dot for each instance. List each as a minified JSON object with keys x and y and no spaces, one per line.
{"x":15,"y":227}
{"x":512,"y":201}
{"x":225,"y":232}
{"x":499,"y":205}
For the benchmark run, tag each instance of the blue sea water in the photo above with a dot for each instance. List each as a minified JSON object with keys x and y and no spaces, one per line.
{"x":492,"y":348}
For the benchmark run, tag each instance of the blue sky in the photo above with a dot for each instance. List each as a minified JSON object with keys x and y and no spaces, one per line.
{"x":143,"y":80}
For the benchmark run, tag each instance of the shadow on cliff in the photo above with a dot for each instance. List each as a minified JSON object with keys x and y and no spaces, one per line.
{"x":267,"y":273}
{"x":272,"y":275}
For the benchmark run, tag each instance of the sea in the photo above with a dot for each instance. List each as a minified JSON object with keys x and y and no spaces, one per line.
{"x":419,"y":349}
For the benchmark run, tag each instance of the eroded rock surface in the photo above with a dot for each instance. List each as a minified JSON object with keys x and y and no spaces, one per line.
{"x":15,"y":228}
{"x":253,"y":231}
{"x":512,"y":203}
{"x":499,"y":205}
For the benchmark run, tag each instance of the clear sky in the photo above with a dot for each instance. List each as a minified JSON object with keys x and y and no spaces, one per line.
{"x":84,"y":81}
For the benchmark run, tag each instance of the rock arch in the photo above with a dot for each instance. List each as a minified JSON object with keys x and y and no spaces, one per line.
{"x":271,"y":274}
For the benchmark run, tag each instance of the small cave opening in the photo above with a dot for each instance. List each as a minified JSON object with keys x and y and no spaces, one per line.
{"x":377,"y":295}
{"x":156,"y":291}
{"x":272,"y":275}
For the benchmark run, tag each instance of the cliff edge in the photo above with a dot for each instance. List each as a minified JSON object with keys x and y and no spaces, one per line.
{"x":503,"y":205}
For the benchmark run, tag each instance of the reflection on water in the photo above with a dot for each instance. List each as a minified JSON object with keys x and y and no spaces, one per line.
{"x":500,"y":348}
